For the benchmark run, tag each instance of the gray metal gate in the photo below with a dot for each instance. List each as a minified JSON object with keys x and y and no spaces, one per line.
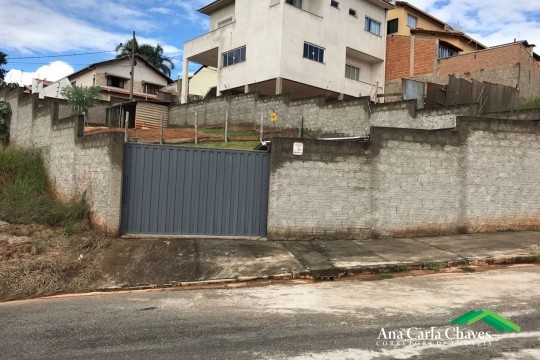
{"x":172,"y":190}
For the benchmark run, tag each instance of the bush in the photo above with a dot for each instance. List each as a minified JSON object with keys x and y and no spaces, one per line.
{"x":5,"y":113}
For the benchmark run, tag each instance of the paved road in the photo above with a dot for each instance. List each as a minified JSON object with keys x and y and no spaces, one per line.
{"x":331,"y":320}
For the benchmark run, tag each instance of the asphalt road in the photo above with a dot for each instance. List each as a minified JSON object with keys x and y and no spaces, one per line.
{"x":330,"y":320}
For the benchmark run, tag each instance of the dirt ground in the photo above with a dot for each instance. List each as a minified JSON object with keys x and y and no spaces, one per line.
{"x":152,"y":135}
{"x":36,"y":260}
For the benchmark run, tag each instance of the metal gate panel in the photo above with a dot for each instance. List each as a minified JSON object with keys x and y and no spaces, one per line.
{"x":172,"y":190}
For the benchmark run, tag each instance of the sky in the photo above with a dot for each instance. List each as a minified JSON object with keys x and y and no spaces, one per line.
{"x":38,"y":34}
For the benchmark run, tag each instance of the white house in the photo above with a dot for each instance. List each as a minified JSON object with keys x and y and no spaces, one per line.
{"x":335,"y":48}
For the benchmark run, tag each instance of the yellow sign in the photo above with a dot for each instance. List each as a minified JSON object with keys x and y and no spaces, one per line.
{"x":273,"y":117}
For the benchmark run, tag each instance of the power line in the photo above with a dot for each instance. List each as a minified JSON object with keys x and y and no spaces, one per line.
{"x":57,"y":56}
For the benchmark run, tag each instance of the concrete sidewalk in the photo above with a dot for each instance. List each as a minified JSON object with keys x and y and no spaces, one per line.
{"x":131,"y":263}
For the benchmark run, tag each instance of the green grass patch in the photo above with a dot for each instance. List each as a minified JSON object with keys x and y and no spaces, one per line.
{"x":25,"y":195}
{"x":229,"y":133}
{"x":232,"y":145}
{"x":385,"y":275}
{"x":433,"y":266}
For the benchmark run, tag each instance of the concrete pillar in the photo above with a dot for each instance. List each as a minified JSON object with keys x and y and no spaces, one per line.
{"x":185,"y":82}
{"x":341,"y":96}
{"x":246,"y":88}
{"x":279,"y":86}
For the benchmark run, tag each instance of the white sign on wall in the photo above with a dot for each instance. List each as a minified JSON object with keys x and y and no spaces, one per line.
{"x":298,"y":148}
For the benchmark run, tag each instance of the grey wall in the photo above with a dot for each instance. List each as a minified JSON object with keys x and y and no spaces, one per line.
{"x":75,"y":165}
{"x":342,"y":118}
{"x":481,"y":176}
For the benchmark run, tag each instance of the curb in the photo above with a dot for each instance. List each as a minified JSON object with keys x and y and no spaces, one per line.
{"x":330,"y":274}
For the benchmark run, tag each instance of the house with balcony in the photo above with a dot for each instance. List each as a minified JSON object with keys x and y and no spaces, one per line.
{"x":301,"y":47}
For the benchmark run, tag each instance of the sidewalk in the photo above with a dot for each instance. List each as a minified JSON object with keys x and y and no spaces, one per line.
{"x":139,"y":263}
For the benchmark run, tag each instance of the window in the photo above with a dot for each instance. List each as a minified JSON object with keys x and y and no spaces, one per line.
{"x":233,"y":57}
{"x":445,"y":52}
{"x":295,"y":3}
{"x":152,"y":89}
{"x":115,"y":81}
{"x":411,"y":21}
{"x":334,"y":3}
{"x":225,"y":22}
{"x":352,"y":12}
{"x":352,"y":72}
{"x":393,"y":26}
{"x":313,"y":52}
{"x":373,"y":26}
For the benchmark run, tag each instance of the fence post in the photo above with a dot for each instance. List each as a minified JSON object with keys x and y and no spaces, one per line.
{"x":226,"y":126}
{"x":262,"y":129}
{"x":126,"y":123}
{"x":301,"y":130}
{"x":196,"y":129}
{"x":161,"y":130}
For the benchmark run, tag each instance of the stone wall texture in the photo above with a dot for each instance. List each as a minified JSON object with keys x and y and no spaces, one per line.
{"x":316,"y":116}
{"x":480,"y":176}
{"x":90,"y":165}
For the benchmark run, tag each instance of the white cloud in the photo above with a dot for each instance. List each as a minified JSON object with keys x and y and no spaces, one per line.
{"x":188,"y":11}
{"x":29,"y":26}
{"x":52,"y":72}
{"x":160,"y":10}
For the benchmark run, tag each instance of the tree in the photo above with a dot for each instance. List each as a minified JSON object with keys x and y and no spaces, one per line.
{"x":3,"y":61}
{"x":153,"y":54}
{"x":81,"y":99}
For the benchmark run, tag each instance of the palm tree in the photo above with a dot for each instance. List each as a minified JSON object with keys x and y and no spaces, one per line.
{"x":154,"y":55}
{"x":3,"y":61}
{"x":125,"y":49}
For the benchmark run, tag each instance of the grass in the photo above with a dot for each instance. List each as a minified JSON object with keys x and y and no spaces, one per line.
{"x":25,"y":195}
{"x":468,"y":269}
{"x":433,"y":266}
{"x":232,"y":145}
{"x":383,"y":276}
{"x":229,"y":133}
{"x":47,"y":247}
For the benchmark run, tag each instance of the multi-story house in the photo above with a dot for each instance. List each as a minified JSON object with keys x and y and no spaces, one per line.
{"x":114,"y":78}
{"x":335,"y":48}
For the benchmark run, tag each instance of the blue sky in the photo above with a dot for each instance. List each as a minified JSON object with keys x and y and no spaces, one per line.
{"x":39,"y":28}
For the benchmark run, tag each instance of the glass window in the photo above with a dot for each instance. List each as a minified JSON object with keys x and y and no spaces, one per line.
{"x":373,"y":26}
{"x":313,"y":52}
{"x":411,"y":21}
{"x":352,"y":72}
{"x":445,"y":52}
{"x":393,"y":26}
{"x":233,"y":57}
{"x":334,"y":3}
{"x":115,"y":81}
{"x":295,"y":3}
{"x":352,"y":12}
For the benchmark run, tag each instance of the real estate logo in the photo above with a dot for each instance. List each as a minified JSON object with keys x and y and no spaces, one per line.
{"x":489,"y":317}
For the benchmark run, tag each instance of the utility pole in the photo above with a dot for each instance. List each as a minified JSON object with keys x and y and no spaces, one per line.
{"x":132,"y":67}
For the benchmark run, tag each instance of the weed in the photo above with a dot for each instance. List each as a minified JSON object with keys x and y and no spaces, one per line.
{"x":433,"y":266}
{"x":468,"y":269}
{"x":385,"y":275}
{"x":401,"y":268}
{"x":25,"y":195}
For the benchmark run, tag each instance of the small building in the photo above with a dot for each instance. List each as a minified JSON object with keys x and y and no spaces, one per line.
{"x":301,"y":47}
{"x":143,"y":114}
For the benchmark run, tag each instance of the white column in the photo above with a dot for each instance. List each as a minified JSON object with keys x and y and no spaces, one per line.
{"x":279,"y":86}
{"x":185,"y":82}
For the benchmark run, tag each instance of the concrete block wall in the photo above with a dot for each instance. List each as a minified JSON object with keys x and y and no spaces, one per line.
{"x":479,"y":176}
{"x":90,"y":165}
{"x":320,"y":118}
